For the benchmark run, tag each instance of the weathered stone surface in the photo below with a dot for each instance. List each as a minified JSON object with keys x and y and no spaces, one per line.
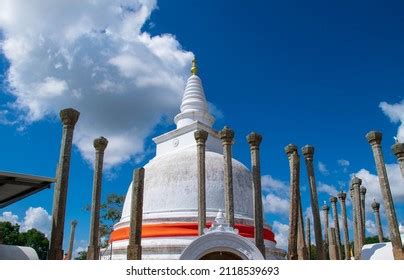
{"x":69,"y":119}
{"x":308,"y":238}
{"x":398,"y":151}
{"x":333,"y":201}
{"x":201,"y":136}
{"x":254,"y":140}
{"x":308,"y":152}
{"x":342,"y":199}
{"x":134,"y":251}
{"x":227,"y":137}
{"x":326,"y":210}
{"x":376,"y":207}
{"x":71,"y":241}
{"x":93,"y":252}
{"x":333,"y":250}
{"x":356,"y":182}
{"x":363,"y":210}
{"x":375,"y":138}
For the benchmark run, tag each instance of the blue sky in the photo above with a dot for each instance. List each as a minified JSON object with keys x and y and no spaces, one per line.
{"x":313,"y":72}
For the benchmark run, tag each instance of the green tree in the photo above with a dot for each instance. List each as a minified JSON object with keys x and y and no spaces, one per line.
{"x":82,"y":255}
{"x":9,"y":233}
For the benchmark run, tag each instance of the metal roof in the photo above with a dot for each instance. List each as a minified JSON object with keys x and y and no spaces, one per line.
{"x":14,"y":186}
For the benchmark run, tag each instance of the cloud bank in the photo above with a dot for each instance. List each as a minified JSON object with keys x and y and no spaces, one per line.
{"x":95,"y":57}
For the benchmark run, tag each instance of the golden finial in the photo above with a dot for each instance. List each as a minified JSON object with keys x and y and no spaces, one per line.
{"x":194,"y":68}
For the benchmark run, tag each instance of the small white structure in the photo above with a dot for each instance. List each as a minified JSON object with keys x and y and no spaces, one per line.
{"x":9,"y":252}
{"x":170,"y":203}
{"x":380,"y":251}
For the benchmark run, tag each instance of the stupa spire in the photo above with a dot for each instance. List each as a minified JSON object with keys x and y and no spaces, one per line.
{"x":194,"y":106}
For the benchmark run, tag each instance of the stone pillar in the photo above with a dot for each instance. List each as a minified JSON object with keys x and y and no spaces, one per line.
{"x":342,"y":199}
{"x":356,"y":182}
{"x":354,"y":221}
{"x":291,"y":151}
{"x":93,"y":252}
{"x":71,"y":242}
{"x":333,"y":201}
{"x":69,"y":119}
{"x":363,"y":212}
{"x":254,"y":140}
{"x":333,"y":250}
{"x":201,"y":136}
{"x":375,"y":139}
{"x":398,"y":151}
{"x":376,"y":208}
{"x":308,"y":152}
{"x":227,"y":136}
{"x":134,"y":250}
{"x":308,"y":238}
{"x":326,"y":210}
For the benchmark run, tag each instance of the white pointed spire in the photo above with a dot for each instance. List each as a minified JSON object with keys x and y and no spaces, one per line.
{"x":194,"y":106}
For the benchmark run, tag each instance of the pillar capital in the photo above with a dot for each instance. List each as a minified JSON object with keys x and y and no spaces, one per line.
{"x":100,"y":144}
{"x":363,"y":190}
{"x":333,"y":199}
{"x":375,"y":206}
{"x":290,"y":149}
{"x":254,"y":139}
{"x":226,"y":135}
{"x":201,"y":136}
{"x":69,"y":116}
{"x":326,"y":207}
{"x":374,"y":137}
{"x":342,"y":195}
{"x":398,"y":150}
{"x":356,"y":181}
{"x":308,"y":152}
{"x":74,"y":223}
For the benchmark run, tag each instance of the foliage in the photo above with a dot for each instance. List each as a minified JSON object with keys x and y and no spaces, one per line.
{"x":82,"y":255}
{"x":11,"y":235}
{"x":375,"y":239}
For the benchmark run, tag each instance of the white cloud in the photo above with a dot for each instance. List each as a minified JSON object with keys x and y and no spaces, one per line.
{"x":323,"y":168}
{"x":281,"y":232}
{"x":92,"y":56}
{"x":275,"y":204}
{"x":325,"y":188}
{"x":344,"y":164}
{"x":395,"y":112}
{"x":270,"y":183}
{"x":37,"y":218}
{"x":371,"y":227}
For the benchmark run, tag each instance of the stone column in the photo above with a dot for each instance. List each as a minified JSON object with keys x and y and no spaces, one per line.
{"x":69,"y":119}
{"x":333,"y":201}
{"x":308,"y":152}
{"x":291,"y":151}
{"x":375,"y":139}
{"x":134,"y":250}
{"x":363,"y":212}
{"x":376,"y":208}
{"x":308,"y":238}
{"x":356,"y":182}
{"x":93,"y":252}
{"x":354,"y":221}
{"x":333,"y":251}
{"x":254,"y":140}
{"x":201,"y":136}
{"x":71,"y":242}
{"x":398,"y":151}
{"x":326,"y":210}
{"x":342,"y":199}
{"x":227,"y":136}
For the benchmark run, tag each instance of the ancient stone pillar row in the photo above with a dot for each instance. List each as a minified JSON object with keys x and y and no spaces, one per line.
{"x":333,"y":201}
{"x":375,"y":139}
{"x":254,"y":140}
{"x":363,"y":212}
{"x":308,"y":152}
{"x":291,"y":151}
{"x":227,"y":137}
{"x":342,"y":199}
{"x":326,"y":210}
{"x":71,"y":241}
{"x":356,"y":182}
{"x":201,"y":136}
{"x":93,"y":252}
{"x":398,"y":151}
{"x":69,"y":118}
{"x":134,"y":250}
{"x":376,"y":207}
{"x":332,"y":248}
{"x":308,"y":238}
